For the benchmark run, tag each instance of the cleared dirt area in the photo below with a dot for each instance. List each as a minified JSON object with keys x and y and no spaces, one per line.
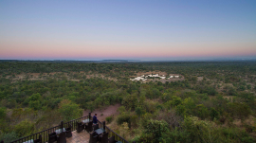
{"x":200,"y":78}
{"x":58,"y":75}
{"x":100,"y":76}
{"x":103,"y":113}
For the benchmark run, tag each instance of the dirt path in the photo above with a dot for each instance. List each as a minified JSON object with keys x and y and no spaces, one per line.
{"x":103,"y":113}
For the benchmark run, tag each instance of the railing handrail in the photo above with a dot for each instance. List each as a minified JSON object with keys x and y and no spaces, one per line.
{"x":49,"y":129}
{"x":35,"y":133}
{"x":115,"y":133}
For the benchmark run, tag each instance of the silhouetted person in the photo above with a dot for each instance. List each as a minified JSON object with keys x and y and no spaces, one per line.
{"x":95,"y":120}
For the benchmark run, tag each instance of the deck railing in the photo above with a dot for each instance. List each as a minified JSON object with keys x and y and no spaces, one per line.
{"x":112,"y":133}
{"x":73,"y":124}
{"x":45,"y":133}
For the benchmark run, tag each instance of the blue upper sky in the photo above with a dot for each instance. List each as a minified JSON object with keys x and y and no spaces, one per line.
{"x":144,"y":29}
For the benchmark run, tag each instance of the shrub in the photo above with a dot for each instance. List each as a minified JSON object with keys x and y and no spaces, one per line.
{"x":8,"y":137}
{"x":150,"y":106}
{"x":121,"y":109}
{"x":239,"y":110}
{"x":170,"y":117}
{"x":181,"y":110}
{"x":130,"y":101}
{"x":153,"y":93}
{"x":34,"y":101}
{"x":109,"y":119}
{"x":248,"y":139}
{"x":241,"y":88}
{"x":24,"y":128}
{"x":214,"y":114}
{"x":189,"y":105}
{"x":211,"y":91}
{"x":139,"y":111}
{"x":34,"y":105}
{"x":2,"y":113}
{"x":159,"y":107}
{"x":177,"y":136}
{"x":201,"y":111}
{"x":124,"y":118}
{"x":231,"y":91}
{"x":156,"y":128}
{"x":69,"y":110}
{"x":249,"y":86}
{"x":174,"y":102}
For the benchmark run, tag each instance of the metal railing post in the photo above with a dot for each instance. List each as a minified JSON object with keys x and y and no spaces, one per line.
{"x":104,"y":125}
{"x":61,"y":124}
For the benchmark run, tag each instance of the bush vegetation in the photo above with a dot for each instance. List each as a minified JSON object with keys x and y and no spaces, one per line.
{"x":218,"y":108}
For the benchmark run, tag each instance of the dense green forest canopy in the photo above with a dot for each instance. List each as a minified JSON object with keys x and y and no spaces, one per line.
{"x":215,"y":102}
{"x":194,"y":67}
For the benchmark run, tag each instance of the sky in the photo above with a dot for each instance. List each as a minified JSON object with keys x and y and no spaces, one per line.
{"x":127,"y":29}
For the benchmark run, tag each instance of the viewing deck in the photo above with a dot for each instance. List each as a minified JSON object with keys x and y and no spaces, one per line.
{"x":82,"y":137}
{"x":78,"y":130}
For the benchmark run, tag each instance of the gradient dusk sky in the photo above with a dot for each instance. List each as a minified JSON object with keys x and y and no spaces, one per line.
{"x":127,"y":29}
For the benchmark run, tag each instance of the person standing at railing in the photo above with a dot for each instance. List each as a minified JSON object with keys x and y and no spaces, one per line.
{"x":94,"y":119}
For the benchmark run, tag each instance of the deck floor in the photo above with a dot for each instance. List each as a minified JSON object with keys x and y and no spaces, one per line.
{"x":82,"y":137}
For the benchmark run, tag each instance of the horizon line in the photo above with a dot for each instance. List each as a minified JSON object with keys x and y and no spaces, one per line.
{"x":125,"y":60}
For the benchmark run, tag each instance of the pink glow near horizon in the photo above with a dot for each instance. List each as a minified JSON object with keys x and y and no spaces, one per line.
{"x":45,"y":48}
{"x":66,"y":50}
